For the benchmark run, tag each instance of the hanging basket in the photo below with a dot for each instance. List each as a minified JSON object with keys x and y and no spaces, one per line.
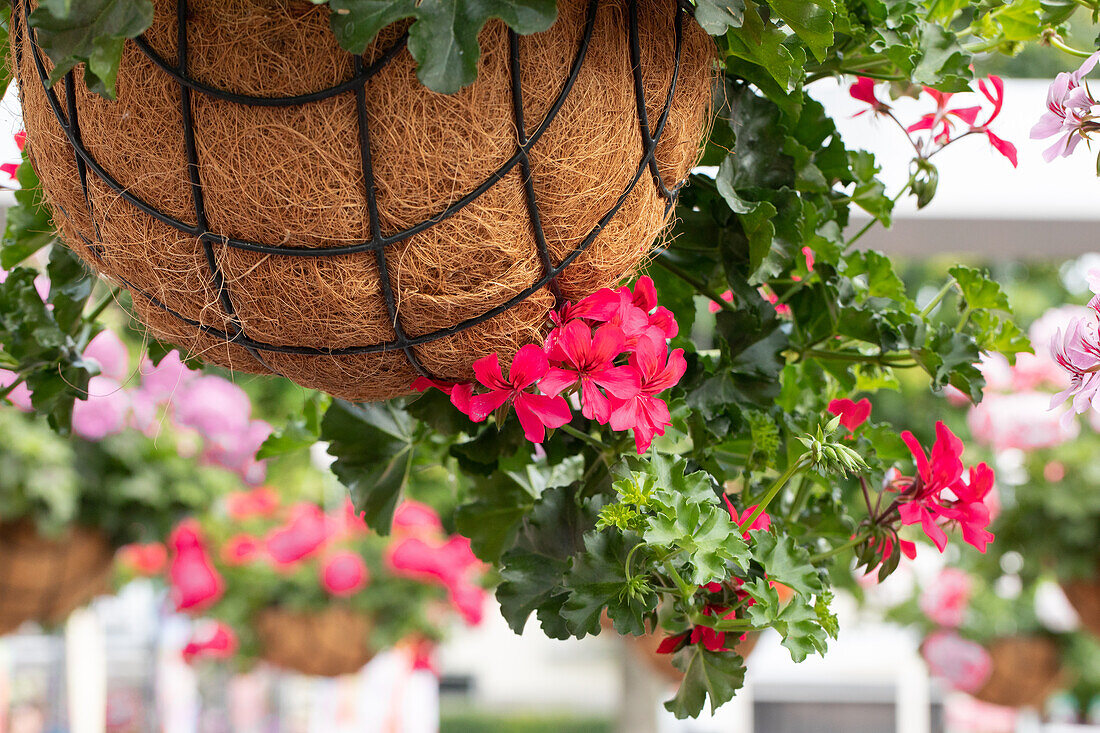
{"x":1084,"y":596}
{"x":275,"y":204}
{"x":1025,"y":671}
{"x":327,"y":643}
{"x":44,"y":579}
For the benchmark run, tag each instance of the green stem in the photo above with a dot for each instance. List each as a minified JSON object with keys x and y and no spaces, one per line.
{"x":799,"y":501}
{"x":700,"y":286}
{"x":1055,"y":40}
{"x":927,"y":310}
{"x":102,"y":305}
{"x":721,"y":624}
{"x":854,"y":356}
{"x":795,"y":467}
{"x":686,"y":589}
{"x":11,"y":387}
{"x":581,"y":435}
{"x":814,"y":559}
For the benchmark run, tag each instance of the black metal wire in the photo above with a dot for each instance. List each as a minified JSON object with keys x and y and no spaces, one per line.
{"x":362,"y":74}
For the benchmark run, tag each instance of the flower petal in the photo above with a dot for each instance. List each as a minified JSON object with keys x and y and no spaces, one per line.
{"x":528,"y":366}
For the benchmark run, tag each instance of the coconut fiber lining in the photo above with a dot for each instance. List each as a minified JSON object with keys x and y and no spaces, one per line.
{"x":1025,"y":671}
{"x":278,"y":205}
{"x":44,"y":579}
{"x":327,"y":643}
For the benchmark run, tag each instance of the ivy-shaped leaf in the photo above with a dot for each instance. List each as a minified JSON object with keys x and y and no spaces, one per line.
{"x":979,"y":289}
{"x":716,"y":676}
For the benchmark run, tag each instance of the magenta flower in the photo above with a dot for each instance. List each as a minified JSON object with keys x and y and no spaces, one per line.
{"x":945,"y":600}
{"x":587,"y":358}
{"x":1069,"y":111}
{"x":195,"y":583}
{"x":864,"y":91}
{"x":715,"y":307}
{"x":939,"y":495}
{"x":852,"y":414}
{"x":344,"y":574}
{"x":535,"y":412}
{"x":964,"y":664}
{"x":306,"y":532}
{"x":212,"y":640}
{"x":645,"y":413}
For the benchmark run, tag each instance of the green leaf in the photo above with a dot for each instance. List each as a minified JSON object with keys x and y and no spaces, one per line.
{"x":91,"y":32}
{"x":356,"y":23}
{"x":718,"y":16}
{"x":300,"y":432}
{"x":811,"y":20}
{"x":785,"y":562}
{"x":597,"y":582}
{"x":979,"y":289}
{"x":374,"y":446}
{"x":443,"y":40}
{"x":28,"y":225}
{"x":716,"y":676}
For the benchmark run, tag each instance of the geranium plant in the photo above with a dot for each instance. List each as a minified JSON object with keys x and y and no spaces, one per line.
{"x":657,"y":424}
{"x":255,"y":553}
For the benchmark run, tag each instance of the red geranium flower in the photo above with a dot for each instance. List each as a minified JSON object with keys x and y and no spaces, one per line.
{"x":852,"y":414}
{"x":344,"y":574}
{"x":240,"y":549}
{"x":588,"y":358}
{"x":195,"y":584}
{"x":864,"y":91}
{"x":306,"y":532}
{"x":145,"y":560}
{"x":535,"y":412}
{"x":645,"y":413}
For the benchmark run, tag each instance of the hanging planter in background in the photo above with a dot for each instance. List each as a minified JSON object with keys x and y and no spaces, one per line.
{"x":329,"y":642}
{"x":1084,"y":596}
{"x":276,"y":204}
{"x":1024,"y":672}
{"x":44,"y":578}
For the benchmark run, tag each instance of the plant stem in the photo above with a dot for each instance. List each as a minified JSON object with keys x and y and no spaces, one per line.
{"x":101,"y":306}
{"x":686,"y":589}
{"x":927,"y":310}
{"x":581,"y":435}
{"x":880,"y":359}
{"x":5,"y":391}
{"x":699,"y":285}
{"x":799,"y":501}
{"x":780,"y":482}
{"x":814,"y":559}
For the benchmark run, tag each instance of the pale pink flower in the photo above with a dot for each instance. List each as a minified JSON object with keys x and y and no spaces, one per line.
{"x":103,"y":412}
{"x":963,"y":664}
{"x":944,"y":601}
{"x":1069,"y":111}
{"x":110,"y":354}
{"x":162,"y":381}
{"x":20,"y":397}
{"x":1077,"y":351}
{"x":1022,"y":420}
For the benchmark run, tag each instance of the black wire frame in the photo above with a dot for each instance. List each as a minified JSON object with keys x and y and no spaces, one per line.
{"x":69,"y":122}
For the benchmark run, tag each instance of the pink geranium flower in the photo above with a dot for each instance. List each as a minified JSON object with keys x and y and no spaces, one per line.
{"x":416,"y":518}
{"x":852,"y":414}
{"x":945,"y":600}
{"x":240,"y":549}
{"x":645,"y":413}
{"x":20,"y":396}
{"x":715,"y":307}
{"x":103,"y":412}
{"x":763,"y":521}
{"x":344,"y":574}
{"x":145,"y":560}
{"x":964,"y":664}
{"x":262,"y":501}
{"x":939,"y":494}
{"x":195,"y":583}
{"x":1069,"y":111}
{"x":587,"y":358}
{"x":535,"y":412}
{"x":1077,"y":351}
{"x":110,"y":355}
{"x":212,"y":640}
{"x":305,"y":533}
{"x":1020,"y":420}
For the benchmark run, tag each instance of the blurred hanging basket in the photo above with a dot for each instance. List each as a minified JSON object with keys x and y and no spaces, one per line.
{"x":275,"y":204}
{"x":45,"y":578}
{"x":1025,"y":671}
{"x":1084,"y":596}
{"x":327,"y":643}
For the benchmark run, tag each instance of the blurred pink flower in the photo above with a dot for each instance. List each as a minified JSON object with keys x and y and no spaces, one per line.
{"x":344,"y":574}
{"x":213,"y":640}
{"x":237,"y":451}
{"x":1077,"y":351}
{"x":944,"y":600}
{"x":215,"y":407}
{"x":963,"y":664}
{"x":305,"y":533}
{"x":144,"y":560}
{"x":1022,"y":420}
{"x":413,"y":517}
{"x":103,"y":412}
{"x":159,"y":383}
{"x":112,"y":356}
{"x":194,"y":582}
{"x":20,"y":397}
{"x":240,"y":549}
{"x":262,"y":501}
{"x":715,"y":307}
{"x":469,"y":600}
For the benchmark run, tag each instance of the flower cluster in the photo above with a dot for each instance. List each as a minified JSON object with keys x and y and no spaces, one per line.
{"x":301,"y":546}
{"x":1069,"y":111}
{"x":207,"y":411}
{"x":609,"y":351}
{"x":945,"y":124}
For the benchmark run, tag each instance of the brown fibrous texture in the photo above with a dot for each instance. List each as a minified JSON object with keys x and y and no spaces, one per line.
{"x":1025,"y":671}
{"x":43,"y":578}
{"x":330,"y":642}
{"x":294,"y":177}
